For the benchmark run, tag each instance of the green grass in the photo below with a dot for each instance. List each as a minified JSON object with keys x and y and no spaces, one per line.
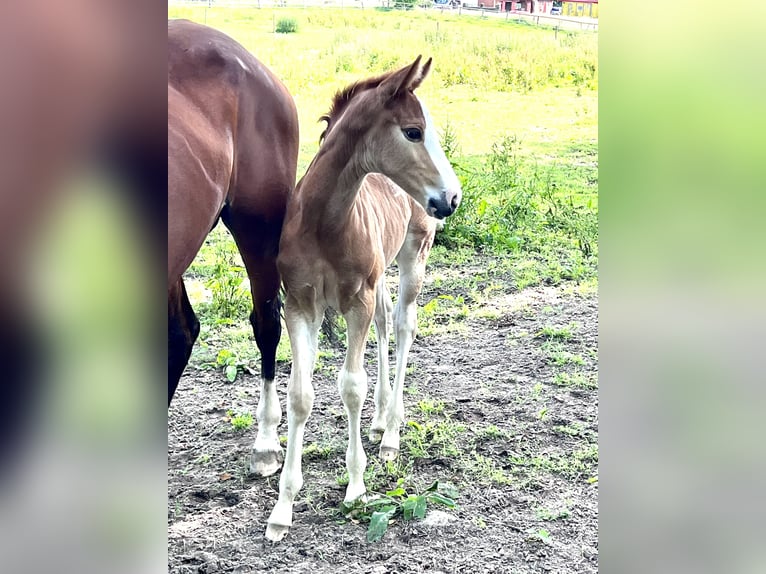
{"x":557,"y":354}
{"x":484,"y":470}
{"x":240,"y":421}
{"x":582,"y":464}
{"x":437,"y":437}
{"x":576,"y":380}
{"x":564,"y":333}
{"x":489,"y":77}
{"x":555,"y":513}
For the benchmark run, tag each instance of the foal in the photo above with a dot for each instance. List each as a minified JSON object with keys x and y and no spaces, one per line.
{"x":345,"y":224}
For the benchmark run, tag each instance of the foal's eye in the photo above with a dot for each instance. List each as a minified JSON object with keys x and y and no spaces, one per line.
{"x":413,"y":134}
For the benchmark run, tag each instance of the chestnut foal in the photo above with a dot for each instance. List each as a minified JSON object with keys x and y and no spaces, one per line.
{"x":369,"y":196}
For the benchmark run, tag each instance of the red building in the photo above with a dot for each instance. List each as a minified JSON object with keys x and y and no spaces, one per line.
{"x":564,"y":7}
{"x":531,"y":6}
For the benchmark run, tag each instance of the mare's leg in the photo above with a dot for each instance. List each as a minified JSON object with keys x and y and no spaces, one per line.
{"x":352,"y":384}
{"x":303,"y":328}
{"x":258,"y":244}
{"x":383,"y":308}
{"x":183,"y":329}
{"x":412,"y":267}
{"x":23,"y":384}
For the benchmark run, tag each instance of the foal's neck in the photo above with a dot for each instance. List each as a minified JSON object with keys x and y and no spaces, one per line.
{"x":332,"y":181}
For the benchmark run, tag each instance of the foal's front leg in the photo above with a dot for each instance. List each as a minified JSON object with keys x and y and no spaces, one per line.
{"x":352,"y":384}
{"x":303,"y":329}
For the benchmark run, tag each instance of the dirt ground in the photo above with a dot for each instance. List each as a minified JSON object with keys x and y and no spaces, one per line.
{"x":512,"y":385}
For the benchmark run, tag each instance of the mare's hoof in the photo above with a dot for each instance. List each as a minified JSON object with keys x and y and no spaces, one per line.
{"x":265,"y":463}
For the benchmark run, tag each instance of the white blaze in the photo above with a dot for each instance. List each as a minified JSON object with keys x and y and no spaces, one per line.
{"x":447,"y":175}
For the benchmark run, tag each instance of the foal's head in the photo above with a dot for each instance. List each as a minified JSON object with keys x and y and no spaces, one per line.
{"x":397,"y":136}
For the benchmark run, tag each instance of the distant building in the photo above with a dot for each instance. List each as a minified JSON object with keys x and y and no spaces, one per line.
{"x":531,"y":6}
{"x":588,"y":8}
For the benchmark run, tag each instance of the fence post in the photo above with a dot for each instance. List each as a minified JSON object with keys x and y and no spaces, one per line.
{"x":556,"y":32}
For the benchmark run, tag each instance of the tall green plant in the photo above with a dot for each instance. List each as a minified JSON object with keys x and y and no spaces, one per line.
{"x":230,"y":298}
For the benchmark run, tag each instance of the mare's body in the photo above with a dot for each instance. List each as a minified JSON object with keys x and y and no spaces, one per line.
{"x":232,"y":153}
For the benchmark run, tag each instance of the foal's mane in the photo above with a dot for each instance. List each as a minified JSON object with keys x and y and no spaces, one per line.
{"x":343,"y":98}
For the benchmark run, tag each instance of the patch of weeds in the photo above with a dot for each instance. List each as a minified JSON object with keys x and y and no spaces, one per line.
{"x":315,"y":452}
{"x":322,"y":365}
{"x":573,"y":466}
{"x":558,"y":355}
{"x":449,"y":141}
{"x":578,"y":380}
{"x":397,"y":503}
{"x":443,"y":314}
{"x":432,"y":438}
{"x":537,"y":391}
{"x":479,"y":522}
{"x":411,"y":389}
{"x":380,"y":475}
{"x":430,"y":407}
{"x":490,"y":432}
{"x":240,"y":421}
{"x":551,"y":332}
{"x":450,"y":256}
{"x":542,"y":414}
{"x":286,"y":26}
{"x":485,"y":470}
{"x":488,"y":313}
{"x":575,"y":430}
{"x":225,"y":279}
{"x":203,"y":459}
{"x":540,"y":535}
{"x":583,"y":288}
{"x":231,"y":364}
{"x":557,"y":513}
{"x":526,"y":275}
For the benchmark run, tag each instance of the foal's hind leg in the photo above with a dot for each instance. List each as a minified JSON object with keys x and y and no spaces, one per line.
{"x":183,"y":329}
{"x":383,"y":308}
{"x":257,"y":244}
{"x":412,"y":268}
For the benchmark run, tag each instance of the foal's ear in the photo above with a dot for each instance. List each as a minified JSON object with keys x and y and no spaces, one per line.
{"x":401,"y":80}
{"x":421,"y":76}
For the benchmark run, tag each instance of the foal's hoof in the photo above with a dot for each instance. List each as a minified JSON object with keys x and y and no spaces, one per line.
{"x":265,"y":462}
{"x":387,"y":453}
{"x":276,"y":532}
{"x":375,"y":435}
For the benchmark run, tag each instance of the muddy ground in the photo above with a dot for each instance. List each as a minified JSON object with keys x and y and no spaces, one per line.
{"x":506,"y":390}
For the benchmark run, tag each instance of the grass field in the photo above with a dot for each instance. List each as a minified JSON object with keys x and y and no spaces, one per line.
{"x":502,"y":388}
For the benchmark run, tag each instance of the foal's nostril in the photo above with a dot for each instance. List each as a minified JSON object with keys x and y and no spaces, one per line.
{"x":454,"y":202}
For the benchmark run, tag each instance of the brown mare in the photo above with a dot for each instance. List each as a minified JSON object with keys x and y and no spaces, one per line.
{"x":365,"y":200}
{"x":232,"y":154}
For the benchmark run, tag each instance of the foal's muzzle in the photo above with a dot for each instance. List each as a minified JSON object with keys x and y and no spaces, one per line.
{"x":443,"y":206}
